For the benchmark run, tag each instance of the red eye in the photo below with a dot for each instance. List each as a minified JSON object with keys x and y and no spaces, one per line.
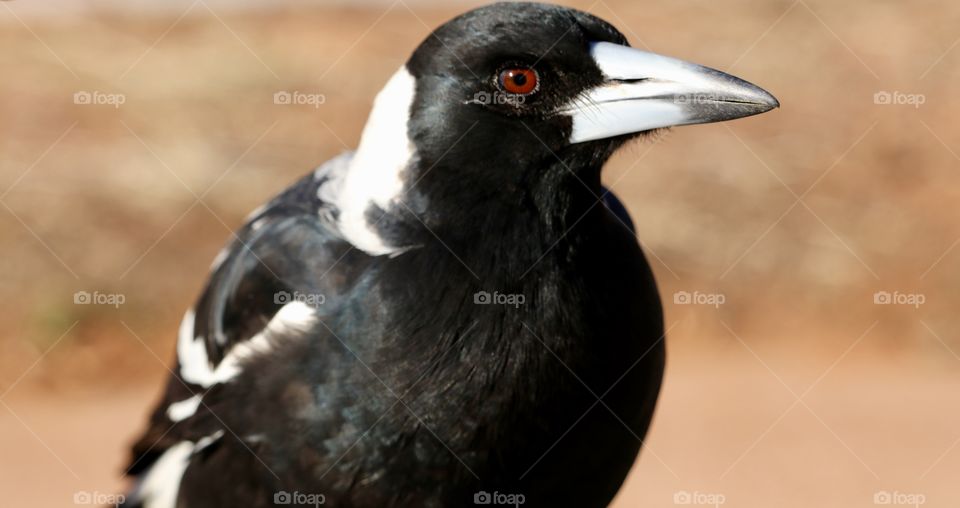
{"x":519,"y":80}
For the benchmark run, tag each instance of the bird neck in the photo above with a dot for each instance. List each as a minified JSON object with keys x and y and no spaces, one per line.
{"x":474,"y":216}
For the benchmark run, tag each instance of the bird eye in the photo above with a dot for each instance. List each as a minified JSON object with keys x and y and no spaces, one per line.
{"x":519,"y":80}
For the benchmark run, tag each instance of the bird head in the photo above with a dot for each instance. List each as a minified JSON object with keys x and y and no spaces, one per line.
{"x":514,"y":71}
{"x":500,"y":100}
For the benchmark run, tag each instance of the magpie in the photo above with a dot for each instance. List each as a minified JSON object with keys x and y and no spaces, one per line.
{"x":455,"y":313}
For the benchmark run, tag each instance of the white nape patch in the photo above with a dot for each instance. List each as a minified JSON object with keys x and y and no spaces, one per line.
{"x":162,"y":482}
{"x":374,"y":175}
{"x":195,"y":365}
{"x":179,"y":411}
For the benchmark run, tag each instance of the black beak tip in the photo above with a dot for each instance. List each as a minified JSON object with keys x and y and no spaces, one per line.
{"x":768,"y":100}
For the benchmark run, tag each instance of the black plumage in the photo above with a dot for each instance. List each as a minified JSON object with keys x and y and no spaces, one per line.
{"x":402,"y":387}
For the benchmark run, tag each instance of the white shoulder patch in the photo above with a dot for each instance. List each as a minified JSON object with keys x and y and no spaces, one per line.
{"x":206,"y":441}
{"x":192,"y":353}
{"x":195,"y":364}
{"x":161,"y":484}
{"x":375,"y":173}
{"x":179,"y":411}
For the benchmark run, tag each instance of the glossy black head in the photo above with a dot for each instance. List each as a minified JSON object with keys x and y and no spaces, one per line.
{"x":505,"y":92}
{"x":509,"y":106}
{"x":469,"y":104}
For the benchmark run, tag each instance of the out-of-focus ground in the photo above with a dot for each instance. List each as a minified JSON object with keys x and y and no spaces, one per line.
{"x":798,"y":389}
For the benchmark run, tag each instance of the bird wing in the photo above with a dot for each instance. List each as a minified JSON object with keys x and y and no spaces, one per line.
{"x":262,"y":288}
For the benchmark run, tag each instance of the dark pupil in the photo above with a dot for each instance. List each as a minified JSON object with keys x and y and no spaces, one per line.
{"x":519,"y":79}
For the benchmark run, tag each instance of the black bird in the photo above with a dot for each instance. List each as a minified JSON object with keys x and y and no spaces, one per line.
{"x":456,"y":313}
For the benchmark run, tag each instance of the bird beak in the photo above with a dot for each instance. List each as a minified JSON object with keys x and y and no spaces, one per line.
{"x":644,"y":91}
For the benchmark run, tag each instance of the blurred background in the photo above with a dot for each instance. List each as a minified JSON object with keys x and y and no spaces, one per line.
{"x":807,"y":257}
